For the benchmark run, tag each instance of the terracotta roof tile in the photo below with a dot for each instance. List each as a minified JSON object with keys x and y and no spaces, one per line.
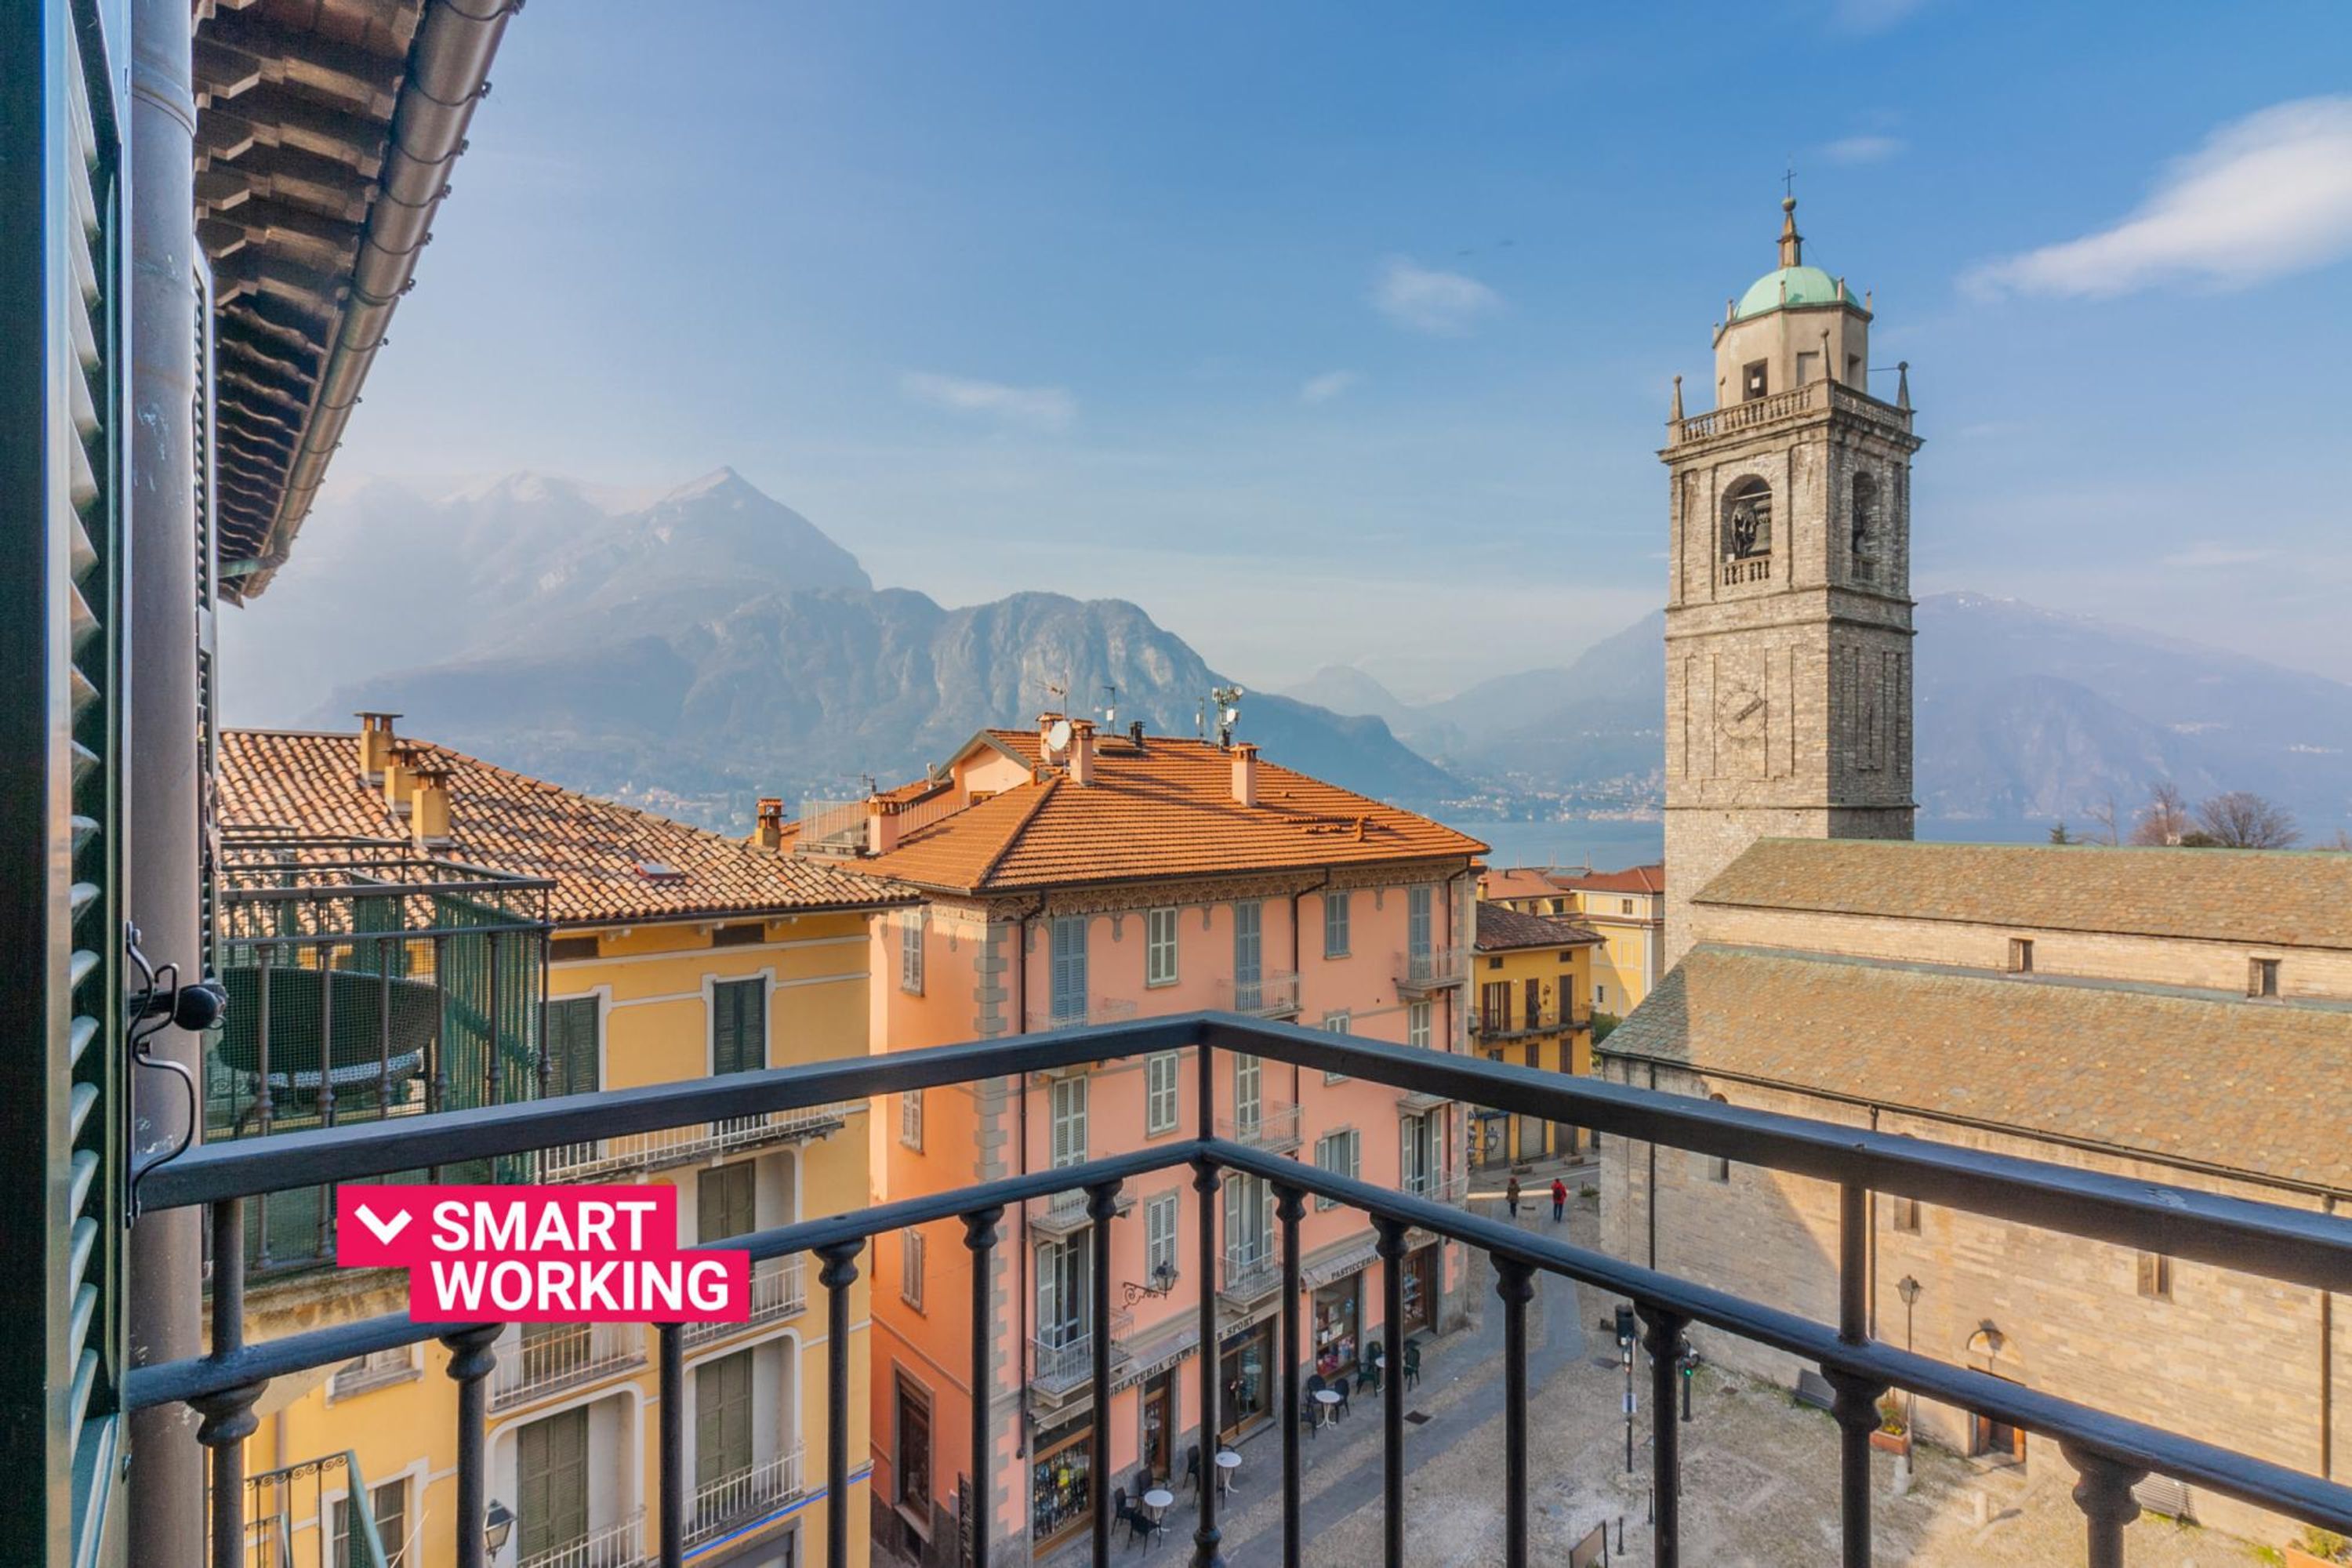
{"x":1165,"y":809}
{"x":1520,"y":882}
{"x":1651,"y":878}
{"x":309,"y":782}
{"x":2222,"y":1081}
{"x":1501,"y":930}
{"x":2280,"y":898}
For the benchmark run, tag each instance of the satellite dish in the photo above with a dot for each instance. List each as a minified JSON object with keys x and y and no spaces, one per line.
{"x":1058,"y":738}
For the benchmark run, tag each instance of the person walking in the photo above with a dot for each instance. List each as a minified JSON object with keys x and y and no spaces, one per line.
{"x":1559,"y":1199}
{"x":1511,"y":1197}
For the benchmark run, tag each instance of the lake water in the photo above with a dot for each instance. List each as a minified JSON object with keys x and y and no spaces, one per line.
{"x":1609,"y":845}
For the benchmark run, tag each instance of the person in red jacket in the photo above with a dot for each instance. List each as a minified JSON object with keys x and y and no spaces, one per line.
{"x":1559,"y":1199}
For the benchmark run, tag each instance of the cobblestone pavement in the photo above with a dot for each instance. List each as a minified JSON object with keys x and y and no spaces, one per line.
{"x":1759,"y":1472}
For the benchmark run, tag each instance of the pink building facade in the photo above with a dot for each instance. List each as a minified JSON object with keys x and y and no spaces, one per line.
{"x":1368,"y":944}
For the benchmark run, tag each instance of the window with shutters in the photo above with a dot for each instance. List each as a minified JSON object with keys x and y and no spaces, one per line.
{"x":1248,"y":1104}
{"x":1069,"y":969}
{"x":377,"y":1369}
{"x":551,"y":1485}
{"x":910,"y":951}
{"x":1417,"y":1137}
{"x":910,"y":1267}
{"x":914,"y":1469}
{"x":1159,"y":947}
{"x":727,"y":1201}
{"x":911,"y":1119}
{"x":722,"y":1418}
{"x":1336,"y":1023}
{"x":1159,"y":1216}
{"x":1249,"y":955}
{"x":1249,"y":1220}
{"x":1494,"y":1007}
{"x":1335,"y":925}
{"x":389,"y":1504}
{"x":573,"y":1030}
{"x":1341,"y":1154}
{"x":1160,"y":1101}
{"x":739,"y":1025}
{"x":1416,"y":1024}
{"x":1069,"y":1113}
{"x":1062,"y":1289}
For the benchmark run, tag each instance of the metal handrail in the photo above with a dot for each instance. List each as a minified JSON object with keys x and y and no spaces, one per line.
{"x":2268,"y":1239}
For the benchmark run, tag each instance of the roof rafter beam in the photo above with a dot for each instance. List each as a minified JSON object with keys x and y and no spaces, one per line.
{"x":284,"y":54}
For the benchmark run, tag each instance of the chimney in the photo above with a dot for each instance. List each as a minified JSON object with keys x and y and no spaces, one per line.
{"x":1135,"y":733}
{"x":768,"y":833}
{"x":881,"y":825}
{"x":1245,"y":774}
{"x":428,"y":808}
{"x":399,"y":777}
{"x":1046,"y":722}
{"x":376,"y":742}
{"x":1082,"y":750}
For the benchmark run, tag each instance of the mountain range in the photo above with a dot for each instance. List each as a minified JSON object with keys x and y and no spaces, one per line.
{"x":692,"y":649}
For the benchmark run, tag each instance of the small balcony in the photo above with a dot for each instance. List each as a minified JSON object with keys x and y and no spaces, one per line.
{"x":1415,"y":1102}
{"x":1079,"y":1012}
{"x":605,"y":1158}
{"x":1273,"y":995}
{"x":620,"y":1544}
{"x":1274,"y":1129}
{"x":778,"y":1290}
{"x":1449,"y":1188}
{"x":1432,"y":969}
{"x":289,"y":1521}
{"x":1066,"y":1212}
{"x":1502,"y":1024}
{"x":1248,"y":1275}
{"x":738,"y":1497}
{"x":1059,"y":1365}
{"x":535,"y":1361}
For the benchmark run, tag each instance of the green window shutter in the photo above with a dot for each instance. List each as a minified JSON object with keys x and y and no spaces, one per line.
{"x":724,"y":1200}
{"x":62,"y":422}
{"x":551,"y":1483}
{"x":573,"y":1045}
{"x":739,"y":1025}
{"x":722,"y":1418}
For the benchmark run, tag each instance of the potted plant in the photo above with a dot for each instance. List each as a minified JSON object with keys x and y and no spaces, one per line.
{"x":1894,"y":1435}
{"x":2319,"y":1549}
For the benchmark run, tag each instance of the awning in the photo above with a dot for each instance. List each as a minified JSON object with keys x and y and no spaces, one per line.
{"x":1164,"y":1352}
{"x":1336,"y":1264}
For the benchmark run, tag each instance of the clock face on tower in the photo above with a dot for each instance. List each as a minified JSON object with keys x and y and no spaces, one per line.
{"x":1739,"y":710}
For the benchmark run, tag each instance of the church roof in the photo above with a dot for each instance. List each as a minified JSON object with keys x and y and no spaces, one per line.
{"x":2265,"y":897}
{"x":2217,"y":1082}
{"x":1787,"y":286}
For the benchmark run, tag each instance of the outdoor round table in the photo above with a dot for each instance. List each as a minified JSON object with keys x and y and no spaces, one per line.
{"x":1158,"y":1499}
{"x":1329,"y":1398}
{"x":1228,"y":1461}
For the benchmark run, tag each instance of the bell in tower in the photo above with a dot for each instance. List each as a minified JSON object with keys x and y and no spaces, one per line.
{"x":1788,"y":598}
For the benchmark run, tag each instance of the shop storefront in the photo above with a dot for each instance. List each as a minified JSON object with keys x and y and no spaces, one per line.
{"x":1338,"y":1317}
{"x":1060,"y":1482}
{"x":1245,"y":1371}
{"x":1420,"y":1283}
{"x":1158,"y":1446}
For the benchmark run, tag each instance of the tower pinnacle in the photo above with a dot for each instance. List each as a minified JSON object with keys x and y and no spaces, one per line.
{"x":1792,"y":244}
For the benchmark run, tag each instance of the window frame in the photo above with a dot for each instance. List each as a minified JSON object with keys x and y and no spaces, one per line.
{"x":911,"y":925}
{"x":1337,"y":920}
{"x":753,"y":988}
{"x":910,"y":1120}
{"x":913,"y":1255}
{"x":1339,"y":1021}
{"x":1067,"y":967}
{"x":1160,"y":945}
{"x":1419,"y":1023}
{"x":1067,"y":1106}
{"x":1340,"y":1138}
{"x":1160,"y":1119}
{"x":1170,"y":1205}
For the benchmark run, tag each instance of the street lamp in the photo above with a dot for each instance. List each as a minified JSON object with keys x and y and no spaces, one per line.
{"x":497,"y":1523}
{"x":1686,"y":1363}
{"x":1625,"y":1354}
{"x":1908,"y":1288}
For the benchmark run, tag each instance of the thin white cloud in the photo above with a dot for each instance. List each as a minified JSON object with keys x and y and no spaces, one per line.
{"x":1442,"y":304}
{"x":2208,"y":555}
{"x":1863,"y":149}
{"x":1329,"y":384}
{"x":2268,"y":194}
{"x":1871,"y":15}
{"x":1035,"y":408}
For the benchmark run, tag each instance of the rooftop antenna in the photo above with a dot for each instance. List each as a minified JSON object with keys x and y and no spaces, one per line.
{"x":1201,"y":720}
{"x":1110,"y":705}
{"x":1228,"y":700}
{"x":1056,"y":694}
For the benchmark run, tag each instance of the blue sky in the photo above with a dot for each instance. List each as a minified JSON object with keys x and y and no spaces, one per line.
{"x":1343,"y":334}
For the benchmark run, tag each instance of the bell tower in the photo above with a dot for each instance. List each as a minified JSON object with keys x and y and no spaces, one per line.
{"x":1789,"y":587}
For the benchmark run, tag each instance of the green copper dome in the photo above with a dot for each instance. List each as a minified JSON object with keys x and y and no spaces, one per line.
{"x":1802,"y":285}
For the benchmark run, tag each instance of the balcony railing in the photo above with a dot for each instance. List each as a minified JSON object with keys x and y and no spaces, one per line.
{"x":778,"y":1290}
{"x":1432,"y":969}
{"x":618,"y":1545}
{"x":1798,"y":402}
{"x":1274,"y":1129}
{"x":1249,"y":1274}
{"x":1450,"y":1187}
{"x":1081,"y":1012}
{"x":290,"y":1522}
{"x":536,"y":1361}
{"x":1059,"y":1362}
{"x":742,"y":1496}
{"x":2110,"y":1453}
{"x":1500,"y":1023}
{"x":1273,"y":995}
{"x":602,"y":1158}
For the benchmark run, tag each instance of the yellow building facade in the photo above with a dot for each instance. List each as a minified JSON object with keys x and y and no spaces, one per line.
{"x":1531,"y":1005}
{"x":676,"y":953}
{"x":1627,"y":911}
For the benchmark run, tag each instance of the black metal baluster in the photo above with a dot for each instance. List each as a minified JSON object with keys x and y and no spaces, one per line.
{"x":472,"y":1353}
{"x":1290,"y":1207}
{"x":1857,"y":1404}
{"x":1663,"y":1341}
{"x":979,"y":1236}
{"x":1390,"y":1248}
{"x":1514,"y":1283}
{"x":673,"y":1443}
{"x":1206,"y":1537}
{"x":2105,"y":1495}
{"x":326,"y":952}
{"x":384,"y":1026}
{"x":265,"y":1106}
{"x":227,"y":1417}
{"x":491,"y":1089}
{"x":1102,"y":1202}
{"x":840,"y":1269}
{"x":437,"y":1078}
